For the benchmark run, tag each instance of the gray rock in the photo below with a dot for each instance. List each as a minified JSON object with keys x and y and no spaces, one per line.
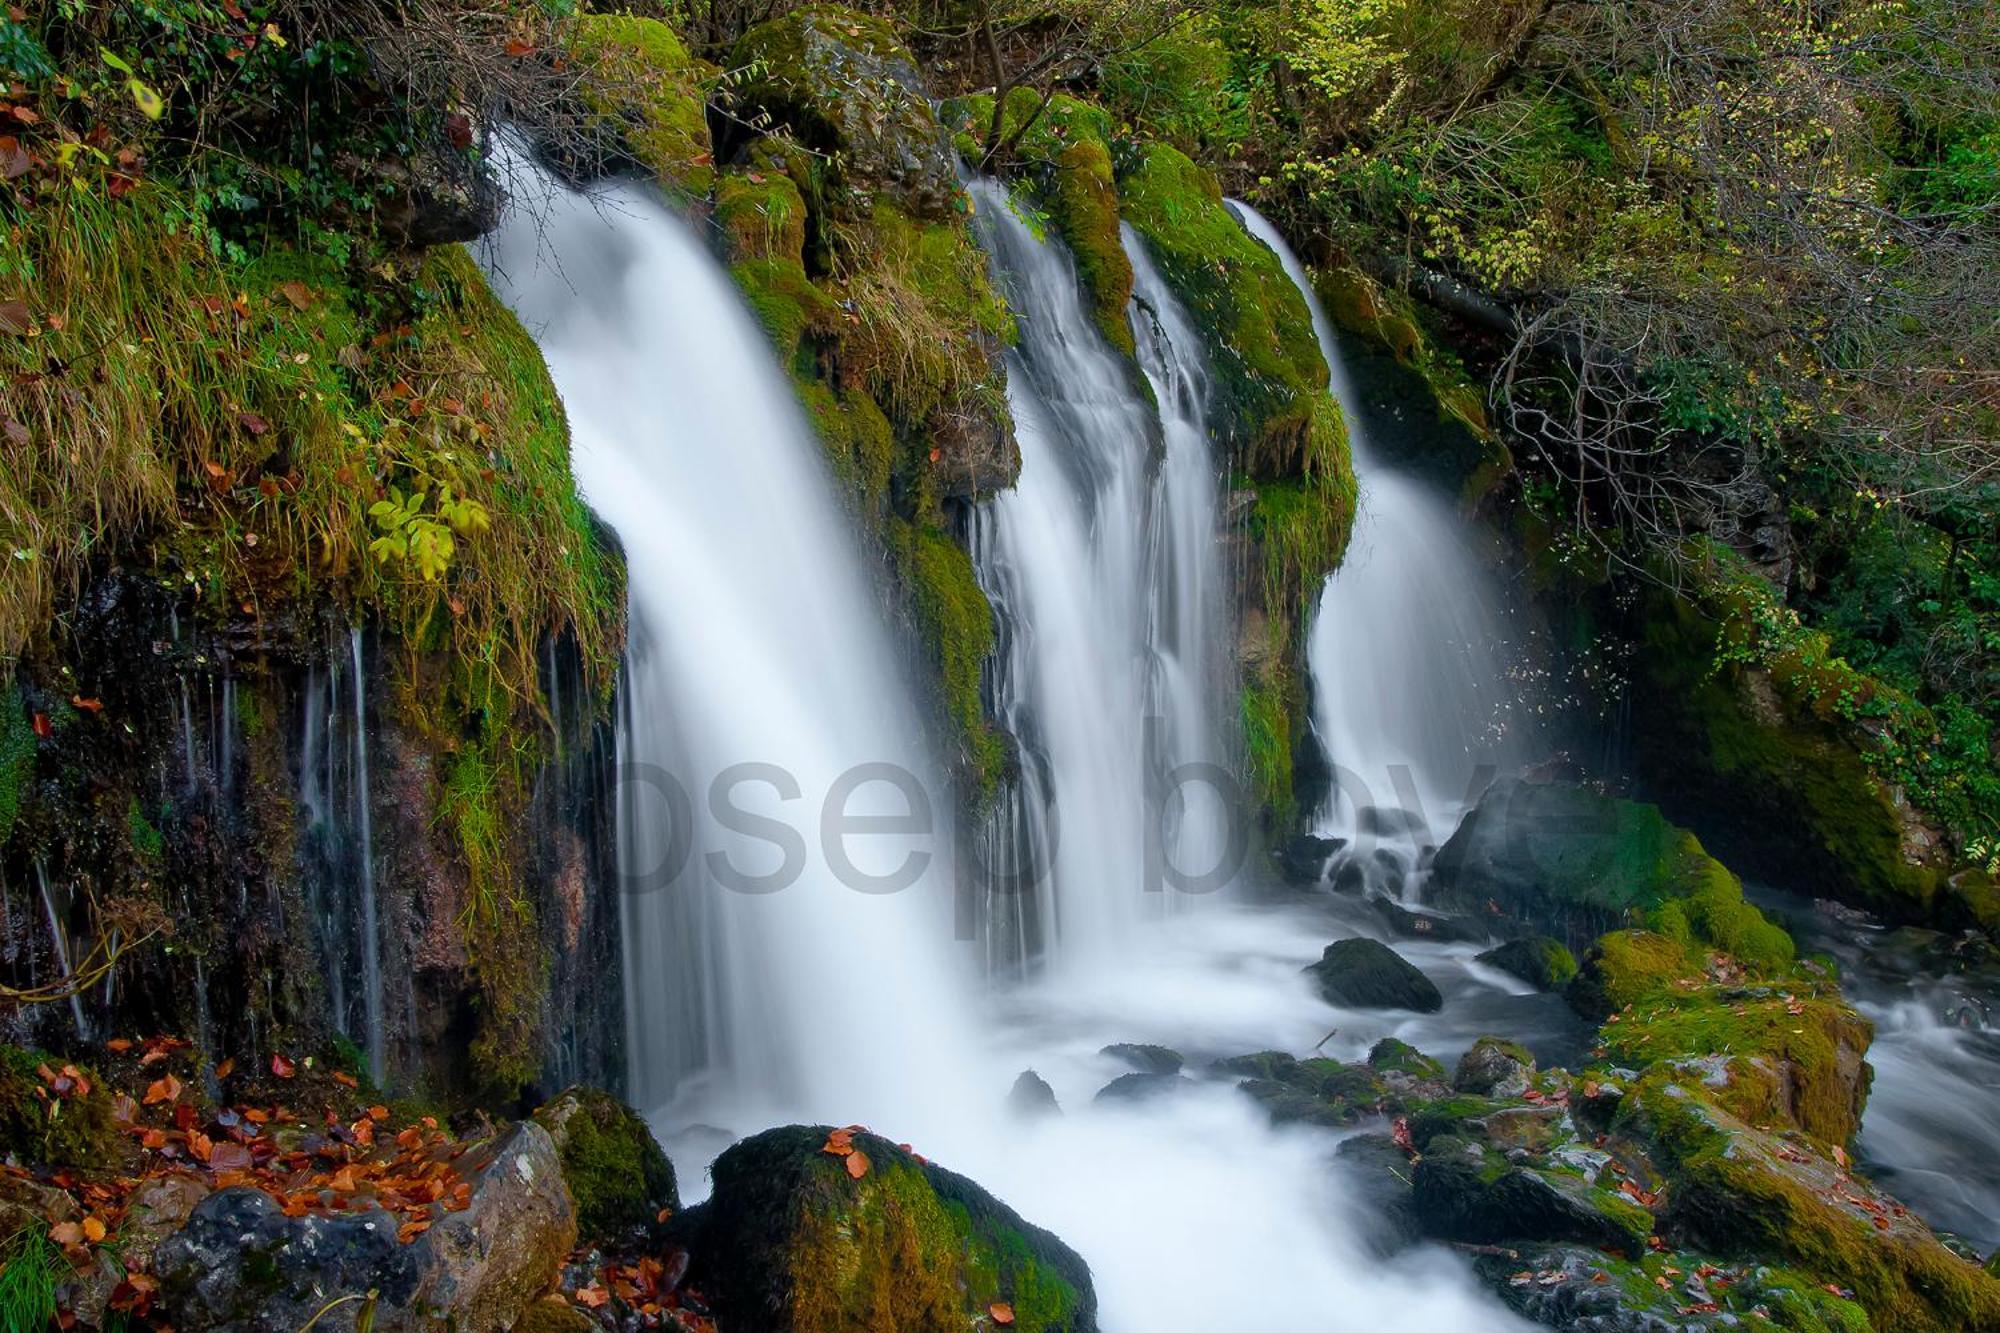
{"x":240,"y":1264}
{"x":1141,"y":1087}
{"x":1032,"y":1096}
{"x":1494,"y":1067}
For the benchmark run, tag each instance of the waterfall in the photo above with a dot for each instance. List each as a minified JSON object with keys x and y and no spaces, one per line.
{"x":1407,"y":680}
{"x":758,"y":672}
{"x":59,"y":937}
{"x":371,"y":931}
{"x":1102,"y":561}
{"x":766,"y":974}
{"x":337,"y":851}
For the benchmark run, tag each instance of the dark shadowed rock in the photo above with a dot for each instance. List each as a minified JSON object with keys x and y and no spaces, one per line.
{"x":1304,"y":857}
{"x":1378,"y":1175}
{"x":1367,"y":974}
{"x":1467,"y":1192}
{"x":1413,"y":925}
{"x":240,"y":1263}
{"x":1542,"y":961}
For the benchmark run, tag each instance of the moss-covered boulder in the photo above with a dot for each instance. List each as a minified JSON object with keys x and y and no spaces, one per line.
{"x":1772,"y":1058}
{"x":800,"y":1240}
{"x":639,"y":76}
{"x":1738,"y":1190}
{"x":1798,"y":768}
{"x":1145,"y":1057}
{"x":843,"y":84}
{"x":1540,"y":960}
{"x":617,"y":1174}
{"x":1471,"y":1192}
{"x":1314,"y":1091}
{"x":1577,"y":863}
{"x":1625,"y":966}
{"x":1362,"y":973}
{"x":1398,"y":1059}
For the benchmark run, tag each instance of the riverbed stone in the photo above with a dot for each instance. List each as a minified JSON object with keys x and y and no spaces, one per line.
{"x":1032,"y":1096}
{"x":1141,"y":1087}
{"x":1467,"y":1191}
{"x":1361,"y":973}
{"x":240,"y":1263}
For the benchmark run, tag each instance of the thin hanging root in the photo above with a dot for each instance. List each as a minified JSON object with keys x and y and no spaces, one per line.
{"x":94,"y":967}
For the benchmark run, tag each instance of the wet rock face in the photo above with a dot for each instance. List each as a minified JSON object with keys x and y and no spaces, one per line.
{"x":240,"y":1263}
{"x":1367,"y":974}
{"x":845,"y":85}
{"x":800,"y":1240}
{"x":1467,"y":1191}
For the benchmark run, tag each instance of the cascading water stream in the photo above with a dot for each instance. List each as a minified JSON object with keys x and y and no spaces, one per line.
{"x":762,"y":983}
{"x":371,"y":930}
{"x":755,"y":640}
{"x":1408,"y":685}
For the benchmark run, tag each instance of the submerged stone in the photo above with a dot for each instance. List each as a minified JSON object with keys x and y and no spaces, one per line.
{"x":1032,"y":1096}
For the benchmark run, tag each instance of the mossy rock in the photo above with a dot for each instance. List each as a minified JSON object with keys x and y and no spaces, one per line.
{"x":1362,"y":973}
{"x":618,"y":1176}
{"x":955,"y":624}
{"x":1626,"y":966}
{"x":1540,"y":960}
{"x":640,"y":76}
{"x":1575,"y":1287}
{"x":1773,"y":1059}
{"x":1494,"y":1067}
{"x":1737,"y":1190}
{"x":1577,"y":863}
{"x":1272,"y":376}
{"x":1316,"y":1091}
{"x":1390,"y":1056}
{"x":1146,"y":1058}
{"x":1468,"y":1192}
{"x":762,"y":215}
{"x":1782,"y":790}
{"x":554,"y":1316}
{"x":791,"y":1242}
{"x":17,"y":758}
{"x":1063,"y":161}
{"x":843,"y":84}
{"x":40,"y":1129}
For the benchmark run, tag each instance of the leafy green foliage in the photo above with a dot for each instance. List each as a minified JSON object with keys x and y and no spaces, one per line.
{"x":31,"y":1268}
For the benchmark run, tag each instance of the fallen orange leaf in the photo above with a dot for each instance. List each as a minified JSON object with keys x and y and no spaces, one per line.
{"x":1002,"y":1312}
{"x":857,"y":1164}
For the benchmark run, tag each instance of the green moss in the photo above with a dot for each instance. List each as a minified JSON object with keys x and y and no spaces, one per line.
{"x":1391,"y":1056}
{"x":784,"y":300}
{"x":44,"y":1130}
{"x":146,"y":840}
{"x":956,"y":625}
{"x":617,"y":1175}
{"x":1540,"y":960}
{"x":860,"y":443}
{"x":1626,"y":966}
{"x":1300,"y":528}
{"x":1790,"y":1061}
{"x":906,"y":1246}
{"x":642,"y":78}
{"x":762,"y":216}
{"x":1272,"y":376}
{"x":1267,"y":743}
{"x":17,"y":759}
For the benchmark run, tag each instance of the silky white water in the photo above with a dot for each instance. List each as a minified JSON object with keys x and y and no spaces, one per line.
{"x":755,"y":639}
{"x":759,"y":986}
{"x":1408,"y":685}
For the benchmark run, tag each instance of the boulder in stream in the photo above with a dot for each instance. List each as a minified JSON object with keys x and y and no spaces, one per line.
{"x":1145,"y":1058}
{"x":1032,"y":1096}
{"x":1361,"y":973}
{"x":797,"y":1239}
{"x":1542,"y":961}
{"x":617,"y":1174}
